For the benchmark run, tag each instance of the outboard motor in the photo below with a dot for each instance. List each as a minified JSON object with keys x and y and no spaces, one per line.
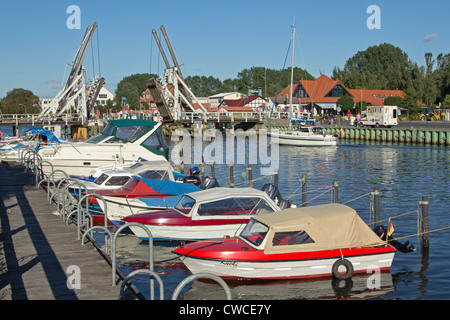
{"x":208,"y":183}
{"x":284,"y":204}
{"x":381,"y":231}
{"x":274,"y":194}
{"x":193,"y":176}
{"x":272,"y":191}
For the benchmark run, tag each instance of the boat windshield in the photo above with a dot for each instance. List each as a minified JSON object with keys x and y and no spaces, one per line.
{"x":155,"y":174}
{"x":120,"y":134}
{"x":185,"y":204}
{"x":101,"y":179}
{"x":131,"y":184}
{"x":254,"y":232}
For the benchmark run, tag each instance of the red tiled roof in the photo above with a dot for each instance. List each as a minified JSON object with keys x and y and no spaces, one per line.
{"x":375,"y":97}
{"x":239,"y":102}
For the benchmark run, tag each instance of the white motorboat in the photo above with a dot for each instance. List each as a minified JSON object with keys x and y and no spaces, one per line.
{"x":305,"y":136}
{"x":205,"y":214}
{"x":122,"y":141}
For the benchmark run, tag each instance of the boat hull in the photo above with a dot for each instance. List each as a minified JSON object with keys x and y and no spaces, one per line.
{"x":189,"y":233}
{"x":304,"y":140}
{"x":293,"y":269}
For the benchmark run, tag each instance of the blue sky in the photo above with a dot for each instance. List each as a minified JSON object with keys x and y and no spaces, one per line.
{"x":212,"y":38}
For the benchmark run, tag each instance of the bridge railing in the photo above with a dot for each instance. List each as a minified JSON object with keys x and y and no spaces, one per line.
{"x":37,"y":119}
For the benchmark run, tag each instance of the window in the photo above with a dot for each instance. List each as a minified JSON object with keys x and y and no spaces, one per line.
{"x":131,"y":184}
{"x":155,"y":174}
{"x":131,"y":133}
{"x":254,"y":232}
{"x":117,"y":181}
{"x":301,"y":93}
{"x":185,"y":204}
{"x":101,"y":179}
{"x":155,"y":141}
{"x":103,"y":96}
{"x":291,"y":238}
{"x":336,"y":92}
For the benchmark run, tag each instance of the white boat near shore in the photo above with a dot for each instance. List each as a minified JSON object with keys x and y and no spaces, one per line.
{"x":305,"y":136}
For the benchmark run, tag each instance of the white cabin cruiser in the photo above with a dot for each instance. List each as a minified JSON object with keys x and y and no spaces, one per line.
{"x":122,"y":141}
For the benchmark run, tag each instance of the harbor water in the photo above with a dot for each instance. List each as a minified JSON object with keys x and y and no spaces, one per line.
{"x":403,"y":174}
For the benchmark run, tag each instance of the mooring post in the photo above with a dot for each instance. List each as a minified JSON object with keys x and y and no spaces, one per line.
{"x":250,"y":176}
{"x":213,"y":171}
{"x":304,"y":190}
{"x":231,"y":175}
{"x":335,"y":191}
{"x":425,"y":222}
{"x":202,"y":168}
{"x":275,"y":177}
{"x":376,"y":205}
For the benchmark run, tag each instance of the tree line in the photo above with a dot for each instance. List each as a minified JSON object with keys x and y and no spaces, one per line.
{"x":382,"y":66}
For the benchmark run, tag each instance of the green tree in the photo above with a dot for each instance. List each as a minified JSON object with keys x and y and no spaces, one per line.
{"x":20,"y":101}
{"x":446,"y":102}
{"x":378,"y":67}
{"x":346,"y":103}
{"x":131,"y":88}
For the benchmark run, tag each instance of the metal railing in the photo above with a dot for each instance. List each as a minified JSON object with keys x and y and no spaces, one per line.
{"x":58,"y":193}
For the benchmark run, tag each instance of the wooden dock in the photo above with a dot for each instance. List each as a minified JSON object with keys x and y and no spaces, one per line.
{"x":38,"y":250}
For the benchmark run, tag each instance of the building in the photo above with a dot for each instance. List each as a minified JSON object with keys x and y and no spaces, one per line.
{"x":103,"y":96}
{"x":322,"y":94}
{"x":246,"y":104}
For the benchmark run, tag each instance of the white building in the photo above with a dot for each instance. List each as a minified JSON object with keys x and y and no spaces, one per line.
{"x":104,"y":96}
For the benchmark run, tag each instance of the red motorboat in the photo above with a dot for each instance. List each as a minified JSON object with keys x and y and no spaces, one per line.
{"x":307,"y":242}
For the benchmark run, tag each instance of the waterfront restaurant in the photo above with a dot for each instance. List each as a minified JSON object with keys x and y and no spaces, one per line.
{"x":321,"y":95}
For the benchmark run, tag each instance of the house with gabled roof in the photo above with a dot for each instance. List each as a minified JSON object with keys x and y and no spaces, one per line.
{"x":322,"y":94}
{"x":246,"y":104}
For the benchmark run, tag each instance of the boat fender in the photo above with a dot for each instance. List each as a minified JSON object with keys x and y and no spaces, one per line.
{"x":348,"y":269}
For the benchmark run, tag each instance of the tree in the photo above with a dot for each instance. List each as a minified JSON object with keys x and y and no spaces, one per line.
{"x":346,"y":103}
{"x":446,"y":102}
{"x":131,"y":88}
{"x":20,"y":101}
{"x":379,"y":67}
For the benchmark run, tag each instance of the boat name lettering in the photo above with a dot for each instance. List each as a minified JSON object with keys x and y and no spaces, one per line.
{"x":229,"y":263}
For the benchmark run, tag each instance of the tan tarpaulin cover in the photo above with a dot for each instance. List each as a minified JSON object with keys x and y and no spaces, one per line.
{"x":331,"y":226}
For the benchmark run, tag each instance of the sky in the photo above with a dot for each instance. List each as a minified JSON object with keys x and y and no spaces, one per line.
{"x":210,"y":37}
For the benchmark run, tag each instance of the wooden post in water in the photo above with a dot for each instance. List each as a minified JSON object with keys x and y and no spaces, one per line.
{"x":250,"y":176}
{"x":231,"y":175}
{"x":202,"y":168}
{"x":335,"y":191}
{"x":213,"y":171}
{"x":304,"y":190}
{"x":376,"y":205}
{"x":425,"y":222}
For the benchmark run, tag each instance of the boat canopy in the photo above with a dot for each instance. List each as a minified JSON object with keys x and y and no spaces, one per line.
{"x":158,"y":170}
{"x":322,"y":227}
{"x":169,"y":187}
{"x":222,"y":192}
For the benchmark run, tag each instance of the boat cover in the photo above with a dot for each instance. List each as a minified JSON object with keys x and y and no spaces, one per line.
{"x":330,"y":226}
{"x":169,"y":187}
{"x":222,"y":192}
{"x":163,"y":202}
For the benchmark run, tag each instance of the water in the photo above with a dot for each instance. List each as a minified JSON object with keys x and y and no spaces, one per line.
{"x":403,"y":173}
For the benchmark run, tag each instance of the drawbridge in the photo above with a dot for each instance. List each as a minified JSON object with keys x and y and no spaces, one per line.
{"x":172,"y":88}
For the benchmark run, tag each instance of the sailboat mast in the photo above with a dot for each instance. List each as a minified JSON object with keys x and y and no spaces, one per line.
{"x":292,"y":72}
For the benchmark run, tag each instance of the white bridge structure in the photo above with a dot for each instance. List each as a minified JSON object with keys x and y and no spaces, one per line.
{"x":74,"y":94}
